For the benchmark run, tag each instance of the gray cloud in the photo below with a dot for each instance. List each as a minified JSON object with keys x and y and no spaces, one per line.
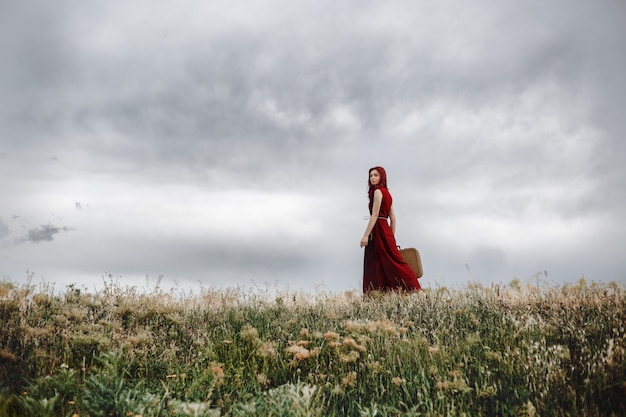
{"x":44,"y":233}
{"x":502,"y":113}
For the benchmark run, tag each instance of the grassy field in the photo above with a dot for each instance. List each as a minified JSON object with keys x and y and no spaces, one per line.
{"x":504,"y":350}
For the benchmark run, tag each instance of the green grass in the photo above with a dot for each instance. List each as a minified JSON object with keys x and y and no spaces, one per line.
{"x":504,"y":350}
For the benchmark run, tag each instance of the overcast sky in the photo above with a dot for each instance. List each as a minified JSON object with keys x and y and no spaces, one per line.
{"x":227,"y":143}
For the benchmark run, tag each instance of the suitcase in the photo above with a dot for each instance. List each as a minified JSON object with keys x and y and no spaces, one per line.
{"x":412,"y":257}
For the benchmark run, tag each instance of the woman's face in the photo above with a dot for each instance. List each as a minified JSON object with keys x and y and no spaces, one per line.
{"x":374,"y":177}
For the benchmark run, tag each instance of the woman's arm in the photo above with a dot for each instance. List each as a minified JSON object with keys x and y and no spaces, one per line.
{"x":378,"y":199}
{"x":392,"y":219}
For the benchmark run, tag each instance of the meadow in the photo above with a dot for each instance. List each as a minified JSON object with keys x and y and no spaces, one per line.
{"x":502,"y":350}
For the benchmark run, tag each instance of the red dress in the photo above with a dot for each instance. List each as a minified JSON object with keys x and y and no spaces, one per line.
{"x":383,"y":267}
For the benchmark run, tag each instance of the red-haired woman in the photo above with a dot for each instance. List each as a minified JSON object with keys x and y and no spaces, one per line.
{"x":383,"y":266}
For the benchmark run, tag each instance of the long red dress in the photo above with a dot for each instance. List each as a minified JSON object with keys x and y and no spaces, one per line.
{"x":383,"y":267}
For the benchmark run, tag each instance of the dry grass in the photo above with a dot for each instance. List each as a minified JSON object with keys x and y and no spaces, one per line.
{"x":499,"y":350}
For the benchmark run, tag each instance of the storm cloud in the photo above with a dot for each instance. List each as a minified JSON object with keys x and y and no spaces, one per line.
{"x":223,"y":143}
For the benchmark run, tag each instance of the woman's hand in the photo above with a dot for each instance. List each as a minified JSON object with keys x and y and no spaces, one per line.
{"x":364,"y":241}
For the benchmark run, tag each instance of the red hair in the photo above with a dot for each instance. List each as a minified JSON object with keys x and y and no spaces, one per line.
{"x":383,"y":181}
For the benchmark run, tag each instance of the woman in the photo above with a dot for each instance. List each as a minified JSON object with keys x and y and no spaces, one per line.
{"x":383,"y":266}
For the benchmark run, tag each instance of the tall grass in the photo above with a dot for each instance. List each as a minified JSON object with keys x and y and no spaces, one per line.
{"x":506,"y":350}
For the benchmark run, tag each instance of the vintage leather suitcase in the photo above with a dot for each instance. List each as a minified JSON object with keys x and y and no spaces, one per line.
{"x":412,"y":257}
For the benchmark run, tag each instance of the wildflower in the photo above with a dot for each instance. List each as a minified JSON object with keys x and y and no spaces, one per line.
{"x":40,"y":298}
{"x":529,"y":409}
{"x":331,"y":315}
{"x":349,"y":380}
{"x":391,"y":330}
{"x":458,"y":384}
{"x":267,"y":350}
{"x":304,"y":333}
{"x":3,"y":292}
{"x":350,"y":342}
{"x":454,"y":374}
{"x":493,"y":356}
{"x":331,"y":336}
{"x":218,"y":372}
{"x":376,"y":367}
{"x":298,"y":352}
{"x":371,"y":327}
{"x":249,"y":333}
{"x":132,"y":341}
{"x":303,"y":342}
{"x":263,"y":380}
{"x":397,"y":381}
{"x":6,"y":356}
{"x":487,"y":392}
{"x":353,"y":326}
{"x":441,"y":385}
{"x":350,"y":357}
{"x":433,"y":349}
{"x":303,"y":354}
{"x":350,"y":295}
{"x":42,"y":333}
